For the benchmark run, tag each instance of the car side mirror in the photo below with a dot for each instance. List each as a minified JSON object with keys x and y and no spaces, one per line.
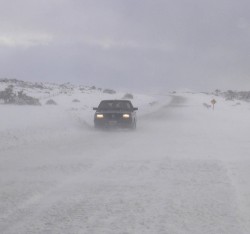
{"x":135,"y":108}
{"x":95,"y":108}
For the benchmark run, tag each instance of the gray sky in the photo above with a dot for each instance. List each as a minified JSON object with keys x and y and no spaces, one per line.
{"x":128,"y":44}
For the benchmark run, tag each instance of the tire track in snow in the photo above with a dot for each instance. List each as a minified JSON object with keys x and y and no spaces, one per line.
{"x":166,"y":111}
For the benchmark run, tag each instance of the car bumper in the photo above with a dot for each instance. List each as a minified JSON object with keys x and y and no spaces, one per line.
{"x":105,"y":123}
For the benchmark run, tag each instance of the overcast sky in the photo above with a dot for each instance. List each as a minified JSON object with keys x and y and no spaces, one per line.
{"x":128,"y":44}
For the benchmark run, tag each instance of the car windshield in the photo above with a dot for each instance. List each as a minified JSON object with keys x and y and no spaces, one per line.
{"x":114,"y":105}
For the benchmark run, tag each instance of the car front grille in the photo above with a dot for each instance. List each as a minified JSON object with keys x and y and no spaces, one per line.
{"x":113,"y":116}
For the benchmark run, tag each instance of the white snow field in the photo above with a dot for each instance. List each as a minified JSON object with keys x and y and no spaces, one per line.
{"x":185,"y":170}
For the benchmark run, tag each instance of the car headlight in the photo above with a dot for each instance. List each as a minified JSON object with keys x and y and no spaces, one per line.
{"x":99,"y":116}
{"x":125,"y":116}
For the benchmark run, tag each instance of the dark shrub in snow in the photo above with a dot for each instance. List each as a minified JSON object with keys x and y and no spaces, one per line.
{"x":231,"y":95}
{"x":236,"y":95}
{"x":128,"y":96}
{"x":76,"y":100}
{"x":23,"y":99}
{"x":109,"y":91}
{"x":51,"y":102}
{"x":9,"y":97}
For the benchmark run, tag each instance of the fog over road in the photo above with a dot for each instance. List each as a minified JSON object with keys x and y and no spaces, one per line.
{"x":162,"y":178}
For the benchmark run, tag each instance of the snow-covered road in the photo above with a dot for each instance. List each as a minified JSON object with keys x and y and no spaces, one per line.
{"x":178,"y":173}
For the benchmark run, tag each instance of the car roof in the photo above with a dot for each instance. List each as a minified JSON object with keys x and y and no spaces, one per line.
{"x":120,"y":100}
{"x":116,"y":100}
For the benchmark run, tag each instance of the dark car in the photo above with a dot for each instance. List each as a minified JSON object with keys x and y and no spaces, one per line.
{"x":115,"y":113}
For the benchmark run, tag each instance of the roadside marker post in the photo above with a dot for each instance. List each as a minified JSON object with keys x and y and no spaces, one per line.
{"x":213,"y":102}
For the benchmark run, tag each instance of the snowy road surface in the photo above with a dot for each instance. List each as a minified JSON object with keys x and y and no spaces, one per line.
{"x":181,"y":172}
